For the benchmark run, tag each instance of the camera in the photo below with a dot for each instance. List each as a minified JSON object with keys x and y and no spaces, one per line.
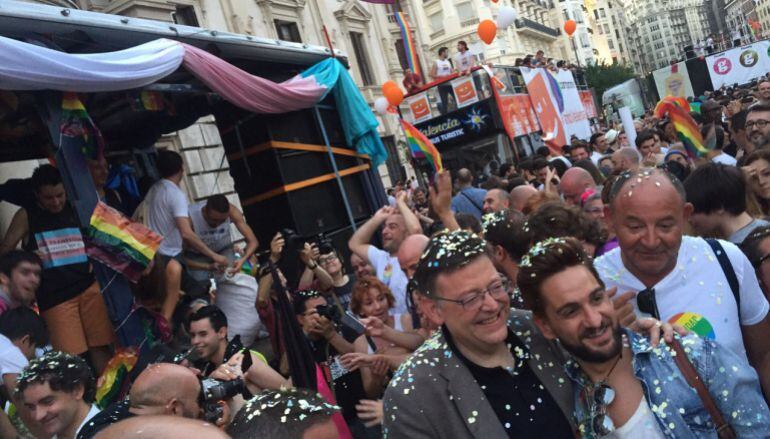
{"x":331,"y":312}
{"x":213,"y":391}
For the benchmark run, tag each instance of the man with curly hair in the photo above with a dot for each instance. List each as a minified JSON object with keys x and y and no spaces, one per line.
{"x":58,"y":389}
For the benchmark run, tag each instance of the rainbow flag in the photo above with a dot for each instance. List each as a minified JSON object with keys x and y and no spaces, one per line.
{"x":123,"y":245}
{"x":421,"y":146}
{"x":678,"y":112}
{"x":113,"y":380}
{"x":77,"y":124}
{"x":409,"y":46}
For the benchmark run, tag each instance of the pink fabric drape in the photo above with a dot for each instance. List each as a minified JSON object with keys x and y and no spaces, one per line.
{"x":326,"y":392}
{"x":247,"y":91}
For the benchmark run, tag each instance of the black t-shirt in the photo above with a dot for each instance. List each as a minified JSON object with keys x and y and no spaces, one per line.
{"x":110,"y":415}
{"x":58,"y":240}
{"x":520,"y":401}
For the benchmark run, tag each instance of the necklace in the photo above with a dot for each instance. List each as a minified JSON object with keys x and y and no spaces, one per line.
{"x":612,"y":369}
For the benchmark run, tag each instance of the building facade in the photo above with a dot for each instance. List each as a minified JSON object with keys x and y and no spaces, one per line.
{"x":608,"y":21}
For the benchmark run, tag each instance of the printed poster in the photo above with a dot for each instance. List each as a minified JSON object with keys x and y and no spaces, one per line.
{"x":739,"y":65}
{"x":420,"y":108}
{"x":673,"y":80}
{"x":518,"y":115}
{"x":465,"y":91}
{"x":588,"y":103}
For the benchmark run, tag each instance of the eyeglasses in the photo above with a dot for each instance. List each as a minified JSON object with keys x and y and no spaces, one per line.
{"x":326,"y":259}
{"x":761,"y":123}
{"x":597,"y":399}
{"x":646,"y":303}
{"x":473,"y":301}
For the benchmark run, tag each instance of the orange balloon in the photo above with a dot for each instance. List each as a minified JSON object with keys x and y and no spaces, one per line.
{"x":388,"y":85}
{"x":569,"y":27}
{"x":487,"y":31}
{"x":392,"y":93}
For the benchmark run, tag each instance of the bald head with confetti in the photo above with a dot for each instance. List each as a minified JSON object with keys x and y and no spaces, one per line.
{"x":648,"y":212}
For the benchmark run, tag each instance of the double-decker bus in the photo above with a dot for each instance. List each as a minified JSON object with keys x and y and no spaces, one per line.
{"x":474,"y":120}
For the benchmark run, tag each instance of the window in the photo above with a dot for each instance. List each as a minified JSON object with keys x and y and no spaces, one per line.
{"x":566,"y":14}
{"x":578,"y":16}
{"x":359,"y":49}
{"x":596,"y":14}
{"x":185,"y":15}
{"x":606,"y":28}
{"x":617,"y":34}
{"x":287,"y":31}
{"x":602,"y":13}
{"x":584,"y":40}
{"x":465,"y":11}
{"x":620,"y":46}
{"x":436,"y":21}
{"x":610,"y":44}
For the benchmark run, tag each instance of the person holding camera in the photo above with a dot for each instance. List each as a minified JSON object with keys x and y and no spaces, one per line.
{"x":208,"y":331}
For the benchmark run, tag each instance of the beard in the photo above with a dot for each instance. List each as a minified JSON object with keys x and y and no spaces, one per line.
{"x":589,"y":355}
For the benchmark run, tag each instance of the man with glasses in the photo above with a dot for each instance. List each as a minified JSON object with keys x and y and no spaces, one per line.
{"x":476,"y":377}
{"x":613,"y":366}
{"x":758,"y":125}
{"x":707,"y":286}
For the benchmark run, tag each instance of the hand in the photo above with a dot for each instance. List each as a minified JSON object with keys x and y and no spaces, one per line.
{"x":374,"y":326}
{"x":356,"y":360}
{"x":221,"y":262}
{"x":276,"y":247}
{"x":383,"y":213}
{"x":306,"y":254}
{"x":552,"y":182}
{"x":733,"y":107}
{"x":236,"y":267}
{"x":650,"y":160}
{"x":230,"y":369}
{"x":441,"y":196}
{"x":654,"y":327}
{"x":380,"y":367}
{"x":316,"y":253}
{"x":371,"y":412}
{"x":212,"y":295}
{"x":623,"y":306}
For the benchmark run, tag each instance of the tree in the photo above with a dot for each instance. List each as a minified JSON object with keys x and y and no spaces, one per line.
{"x":602,"y":76}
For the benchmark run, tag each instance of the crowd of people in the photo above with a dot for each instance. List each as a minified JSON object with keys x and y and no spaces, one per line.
{"x":601,"y":289}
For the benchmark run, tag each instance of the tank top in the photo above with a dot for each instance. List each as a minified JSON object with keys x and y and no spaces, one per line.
{"x":57,"y":240}
{"x":443,"y":67}
{"x":217,"y":238}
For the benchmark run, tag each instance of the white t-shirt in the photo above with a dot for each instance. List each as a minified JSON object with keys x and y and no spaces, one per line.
{"x":165,"y":202}
{"x":11,"y":359}
{"x":463,"y":60}
{"x":595,"y":157}
{"x":389,"y":272}
{"x":641,"y":425}
{"x":696,"y":293}
{"x":443,"y":67}
{"x":725,"y":159}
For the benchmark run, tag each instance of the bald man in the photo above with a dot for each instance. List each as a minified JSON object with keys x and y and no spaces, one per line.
{"x":410,"y":251}
{"x":496,"y":200}
{"x":625,"y":159}
{"x":573,"y":183}
{"x":163,"y":426}
{"x":161,"y":389}
{"x":469,"y":199}
{"x":520,"y":195}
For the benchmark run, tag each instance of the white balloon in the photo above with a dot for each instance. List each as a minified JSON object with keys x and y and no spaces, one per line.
{"x":381,"y":105}
{"x":505,"y":17}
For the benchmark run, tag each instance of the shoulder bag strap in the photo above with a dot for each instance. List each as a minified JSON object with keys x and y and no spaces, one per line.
{"x":727,"y":268}
{"x":724,"y":430}
{"x":480,"y":208}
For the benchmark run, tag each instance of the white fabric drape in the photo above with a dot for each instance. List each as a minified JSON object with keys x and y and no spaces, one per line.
{"x":25,"y":66}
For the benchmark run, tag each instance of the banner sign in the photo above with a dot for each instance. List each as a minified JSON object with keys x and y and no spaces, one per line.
{"x":459,"y":127}
{"x":518,"y":115}
{"x":739,"y":65}
{"x":674,"y":81}
{"x":419,"y":107}
{"x":587,"y":98}
{"x":465,"y":91}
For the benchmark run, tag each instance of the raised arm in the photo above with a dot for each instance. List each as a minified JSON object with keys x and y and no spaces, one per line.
{"x":236,"y":216}
{"x":16,"y":231}
{"x":412,"y":222}
{"x":441,"y":200}
{"x":359,"y":242}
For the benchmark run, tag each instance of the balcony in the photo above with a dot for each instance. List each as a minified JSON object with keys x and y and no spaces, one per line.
{"x":392,"y":18}
{"x":469,"y":22}
{"x":536,"y":29}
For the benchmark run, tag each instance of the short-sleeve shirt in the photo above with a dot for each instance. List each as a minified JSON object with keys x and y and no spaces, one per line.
{"x":463,"y":60}
{"x":741,"y":234}
{"x":725,"y":159}
{"x":696,"y":293}
{"x":12,"y":361}
{"x":165,"y":203}
{"x":389,"y":272}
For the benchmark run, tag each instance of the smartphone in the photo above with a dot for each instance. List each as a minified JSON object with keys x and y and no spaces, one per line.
{"x":350,"y":321}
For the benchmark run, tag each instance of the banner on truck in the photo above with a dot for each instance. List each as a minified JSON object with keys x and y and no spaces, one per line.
{"x":739,"y":65}
{"x":673,"y":80}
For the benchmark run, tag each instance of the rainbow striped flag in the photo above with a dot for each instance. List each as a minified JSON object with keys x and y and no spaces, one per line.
{"x":123,"y":245}
{"x":677,"y":109}
{"x":77,"y":124}
{"x":421,"y":146}
{"x":113,"y":380}
{"x":409,"y":46}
